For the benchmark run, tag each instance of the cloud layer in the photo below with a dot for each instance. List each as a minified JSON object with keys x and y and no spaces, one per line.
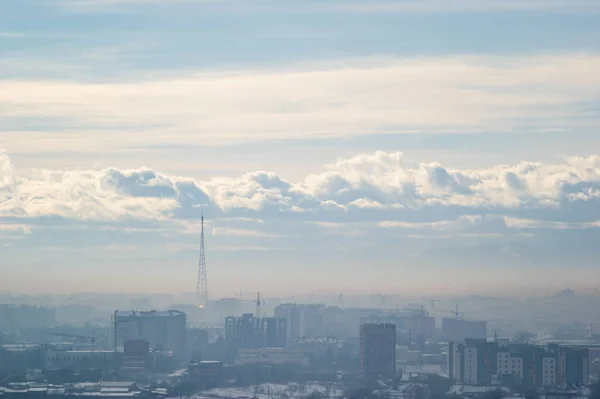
{"x":380,"y":188}
{"x":361,"y":97}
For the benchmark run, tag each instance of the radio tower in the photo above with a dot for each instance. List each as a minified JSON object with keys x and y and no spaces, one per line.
{"x":202,"y":285}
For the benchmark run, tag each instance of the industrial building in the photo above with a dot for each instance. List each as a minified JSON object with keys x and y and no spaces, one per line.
{"x":378,"y":351}
{"x":165,"y":331}
{"x":249,"y":332}
{"x":478,"y":362}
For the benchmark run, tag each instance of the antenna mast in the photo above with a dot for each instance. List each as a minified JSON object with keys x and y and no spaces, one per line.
{"x":202,"y":285}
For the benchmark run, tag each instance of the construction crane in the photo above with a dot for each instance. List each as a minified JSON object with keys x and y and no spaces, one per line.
{"x":258,"y":301}
{"x":420,"y":310}
{"x":92,"y":338}
{"x":454,"y":312}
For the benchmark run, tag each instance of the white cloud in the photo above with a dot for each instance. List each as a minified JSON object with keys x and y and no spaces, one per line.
{"x":380,"y":189}
{"x":461,"y":222}
{"x":228,"y":231}
{"x":457,"y":6}
{"x":360,"y":97}
{"x":324,"y":6}
{"x":517,"y":223}
{"x":19,"y":229}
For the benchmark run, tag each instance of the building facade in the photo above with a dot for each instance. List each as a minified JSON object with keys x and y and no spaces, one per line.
{"x":378,"y":351}
{"x":165,"y":331}
{"x":478,"y":362}
{"x":249,"y":332}
{"x":303,"y":320}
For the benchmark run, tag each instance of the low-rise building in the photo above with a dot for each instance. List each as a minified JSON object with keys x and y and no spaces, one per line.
{"x":272,"y":356}
{"x":81,"y":359}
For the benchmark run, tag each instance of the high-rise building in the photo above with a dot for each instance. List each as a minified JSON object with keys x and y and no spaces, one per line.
{"x":378,"y":351}
{"x":164,"y":330}
{"x":249,"y":332}
{"x":303,"y":320}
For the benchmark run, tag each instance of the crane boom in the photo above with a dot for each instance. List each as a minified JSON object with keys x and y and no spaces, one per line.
{"x":258,"y":301}
{"x":92,"y":338}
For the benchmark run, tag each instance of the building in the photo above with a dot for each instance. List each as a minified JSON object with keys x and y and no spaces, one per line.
{"x":81,"y":359}
{"x":414,"y":322}
{"x":112,"y":390}
{"x":478,"y":362}
{"x":207,"y":372}
{"x":136,"y":355}
{"x":378,"y":351}
{"x":456,"y":329}
{"x":474,"y":362}
{"x":272,"y":356}
{"x":164,"y":330}
{"x":197,"y":343}
{"x":249,"y":332}
{"x":14,"y":318}
{"x":421,"y":325}
{"x":303,"y":320}
{"x":572,"y":363}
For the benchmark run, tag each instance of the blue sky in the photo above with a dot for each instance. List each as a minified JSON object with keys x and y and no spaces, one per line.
{"x":356,"y":146}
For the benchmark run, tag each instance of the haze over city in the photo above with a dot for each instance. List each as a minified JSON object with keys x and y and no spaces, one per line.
{"x":418,"y":148}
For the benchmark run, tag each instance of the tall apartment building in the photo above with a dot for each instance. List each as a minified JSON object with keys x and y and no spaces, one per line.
{"x":303,"y":320}
{"x":164,"y":330}
{"x":477,"y":362}
{"x":249,"y":332}
{"x":378,"y":351}
{"x":473,"y":362}
{"x":407,"y":321}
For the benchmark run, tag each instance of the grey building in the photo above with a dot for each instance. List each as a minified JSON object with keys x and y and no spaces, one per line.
{"x":249,"y":332}
{"x":378,"y":351}
{"x":478,"y":362}
{"x":164,"y":330}
{"x":303,"y":320}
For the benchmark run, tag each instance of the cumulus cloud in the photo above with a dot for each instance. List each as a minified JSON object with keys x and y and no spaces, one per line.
{"x":382,"y":189}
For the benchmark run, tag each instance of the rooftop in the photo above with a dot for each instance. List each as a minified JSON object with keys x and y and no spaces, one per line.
{"x":150,"y":313}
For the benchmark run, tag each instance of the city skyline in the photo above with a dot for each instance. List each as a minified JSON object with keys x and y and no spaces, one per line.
{"x":416,"y":147}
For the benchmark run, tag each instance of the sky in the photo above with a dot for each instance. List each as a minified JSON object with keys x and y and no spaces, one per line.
{"x":406,"y":147}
